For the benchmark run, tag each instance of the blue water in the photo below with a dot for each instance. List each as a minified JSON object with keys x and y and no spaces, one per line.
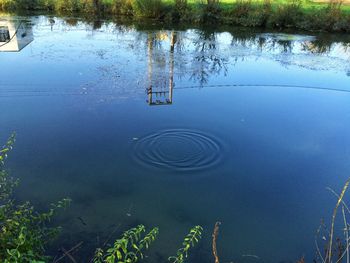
{"x":245,"y":128}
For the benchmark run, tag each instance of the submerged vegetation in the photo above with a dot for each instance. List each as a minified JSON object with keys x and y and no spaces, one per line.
{"x":332,"y":15}
{"x":25,"y":233}
{"x":129,"y":247}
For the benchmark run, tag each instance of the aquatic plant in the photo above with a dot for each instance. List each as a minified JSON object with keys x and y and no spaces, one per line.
{"x":24,"y":232}
{"x":127,"y":249}
{"x":189,"y":242}
{"x":335,"y":249}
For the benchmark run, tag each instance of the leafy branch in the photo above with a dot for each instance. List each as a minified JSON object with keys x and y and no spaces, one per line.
{"x":127,"y":249}
{"x":23,"y":231}
{"x":190,"y":241}
{"x":7,"y":147}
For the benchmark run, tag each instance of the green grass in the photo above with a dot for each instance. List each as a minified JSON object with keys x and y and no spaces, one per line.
{"x":307,"y":5}
{"x":278,"y":14}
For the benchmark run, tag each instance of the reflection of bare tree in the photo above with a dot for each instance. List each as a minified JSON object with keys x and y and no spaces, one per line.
{"x":207,"y":60}
{"x":317,"y":47}
{"x":267,"y":42}
{"x":286,"y":46}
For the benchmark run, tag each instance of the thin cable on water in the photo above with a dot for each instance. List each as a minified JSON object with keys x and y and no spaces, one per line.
{"x":261,"y":85}
{"x":67,"y":92}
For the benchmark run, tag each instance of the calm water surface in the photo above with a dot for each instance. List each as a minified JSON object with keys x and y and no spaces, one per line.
{"x":174,"y":128}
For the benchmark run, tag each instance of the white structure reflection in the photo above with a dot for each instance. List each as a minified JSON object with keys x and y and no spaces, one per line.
{"x":158,"y":93}
{"x":14,"y":35}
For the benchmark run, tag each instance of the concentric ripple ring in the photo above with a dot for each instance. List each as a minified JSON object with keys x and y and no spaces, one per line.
{"x":178,"y":150}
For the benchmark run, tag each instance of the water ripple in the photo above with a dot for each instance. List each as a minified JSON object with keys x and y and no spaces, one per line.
{"x":178,"y":150}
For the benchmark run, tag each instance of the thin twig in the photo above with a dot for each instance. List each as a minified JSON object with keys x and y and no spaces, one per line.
{"x":111,"y":234}
{"x":108,"y":238}
{"x":68,"y":255}
{"x":345,"y":205}
{"x":346,"y":235}
{"x":329,"y":254}
{"x":69,"y":251}
{"x":318,"y":251}
{"x":115,"y":229}
{"x":341,"y":257}
{"x":317,"y":247}
{"x":215,"y":236}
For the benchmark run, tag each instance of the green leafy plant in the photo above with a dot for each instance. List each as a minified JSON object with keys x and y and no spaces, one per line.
{"x":287,"y":15}
{"x":24,"y":232}
{"x":148,"y":8}
{"x":189,"y":242}
{"x":211,"y":12}
{"x":181,"y":11}
{"x":6,"y":148}
{"x":127,"y":249}
{"x":122,"y":7}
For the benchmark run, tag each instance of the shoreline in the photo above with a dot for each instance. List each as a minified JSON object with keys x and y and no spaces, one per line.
{"x":332,"y":18}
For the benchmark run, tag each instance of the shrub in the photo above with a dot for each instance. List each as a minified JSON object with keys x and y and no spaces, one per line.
{"x":246,"y":14}
{"x":211,"y":12}
{"x":24,"y":232}
{"x":242,"y":8}
{"x":288,"y":15}
{"x":180,"y":11}
{"x":92,"y":6}
{"x":67,"y":5}
{"x":122,"y":7}
{"x":19,"y":4}
{"x":330,"y":18}
{"x":148,"y":8}
{"x":47,"y":4}
{"x":7,"y":5}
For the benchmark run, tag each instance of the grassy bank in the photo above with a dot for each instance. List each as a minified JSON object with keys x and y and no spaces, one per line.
{"x":333,"y":16}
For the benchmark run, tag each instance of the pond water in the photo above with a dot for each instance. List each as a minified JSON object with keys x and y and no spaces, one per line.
{"x":175,"y":128}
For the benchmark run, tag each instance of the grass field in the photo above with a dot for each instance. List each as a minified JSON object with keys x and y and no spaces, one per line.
{"x":314,"y":15}
{"x":307,"y":5}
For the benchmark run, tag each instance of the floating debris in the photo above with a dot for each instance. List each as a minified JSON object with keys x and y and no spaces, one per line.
{"x":251,"y":256}
{"x":288,"y":37}
{"x":81,"y":220}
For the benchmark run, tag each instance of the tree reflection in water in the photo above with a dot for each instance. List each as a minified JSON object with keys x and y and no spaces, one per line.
{"x":207,"y":60}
